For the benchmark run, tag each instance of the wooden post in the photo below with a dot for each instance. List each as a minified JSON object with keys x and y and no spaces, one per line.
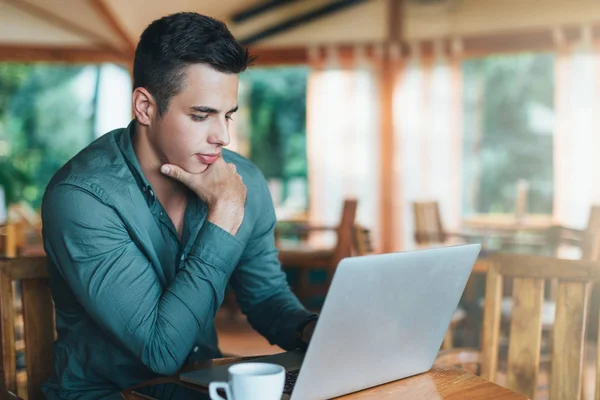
{"x":390,"y":228}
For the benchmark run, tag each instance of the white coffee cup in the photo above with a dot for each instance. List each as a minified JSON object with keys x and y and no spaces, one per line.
{"x":251,"y":381}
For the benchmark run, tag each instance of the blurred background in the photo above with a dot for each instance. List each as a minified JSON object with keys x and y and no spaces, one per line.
{"x":380,"y":125}
{"x":487,"y":107}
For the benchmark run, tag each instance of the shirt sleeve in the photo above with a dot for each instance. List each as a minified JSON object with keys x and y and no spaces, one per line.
{"x":117,"y":284}
{"x":260,"y":285}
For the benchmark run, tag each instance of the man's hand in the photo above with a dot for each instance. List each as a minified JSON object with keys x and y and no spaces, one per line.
{"x":220,"y":187}
{"x":308,"y":331}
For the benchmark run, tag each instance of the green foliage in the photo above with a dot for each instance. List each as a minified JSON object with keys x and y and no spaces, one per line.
{"x":277,"y":99}
{"x":12,"y":178}
{"x":502,"y":141}
{"x":43,"y":122}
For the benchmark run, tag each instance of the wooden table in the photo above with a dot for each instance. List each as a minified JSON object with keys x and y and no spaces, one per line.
{"x":509,"y":222}
{"x":437,"y":384}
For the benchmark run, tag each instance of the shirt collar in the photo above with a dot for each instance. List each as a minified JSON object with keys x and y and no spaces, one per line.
{"x":125,"y":143}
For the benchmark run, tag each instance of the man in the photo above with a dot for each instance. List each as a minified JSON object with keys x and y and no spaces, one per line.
{"x":146,"y":226}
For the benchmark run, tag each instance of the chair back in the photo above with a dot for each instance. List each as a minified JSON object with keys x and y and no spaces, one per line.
{"x":38,"y":322}
{"x":362,"y":241}
{"x":525,"y":338}
{"x":428,"y":223}
{"x":345,"y":232}
{"x":8,"y":240}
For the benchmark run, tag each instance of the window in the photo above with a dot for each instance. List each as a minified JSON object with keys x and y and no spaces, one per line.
{"x":508,"y":133}
{"x":50,"y":112}
{"x":271,"y":131}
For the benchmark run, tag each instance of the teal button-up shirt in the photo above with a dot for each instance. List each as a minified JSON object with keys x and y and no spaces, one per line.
{"x":132,"y":300}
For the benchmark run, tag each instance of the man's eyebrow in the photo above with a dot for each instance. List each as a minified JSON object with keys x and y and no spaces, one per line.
{"x":211,"y":110}
{"x":205,"y":109}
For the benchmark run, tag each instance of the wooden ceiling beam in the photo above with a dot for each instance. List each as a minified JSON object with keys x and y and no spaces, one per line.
{"x":262,"y":8}
{"x":40,"y":53}
{"x":474,"y":46}
{"x":111,"y":19}
{"x":279,"y":56}
{"x":60,"y":22}
{"x":301,"y":19}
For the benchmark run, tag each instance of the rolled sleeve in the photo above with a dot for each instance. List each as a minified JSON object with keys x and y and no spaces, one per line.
{"x":217,"y":247}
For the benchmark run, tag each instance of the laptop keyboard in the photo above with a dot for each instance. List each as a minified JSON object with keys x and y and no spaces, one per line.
{"x":290,"y":381}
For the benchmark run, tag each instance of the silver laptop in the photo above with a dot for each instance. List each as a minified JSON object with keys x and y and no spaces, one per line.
{"x":384,"y":319}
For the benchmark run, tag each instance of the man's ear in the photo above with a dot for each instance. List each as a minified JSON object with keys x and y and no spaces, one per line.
{"x":144,"y":106}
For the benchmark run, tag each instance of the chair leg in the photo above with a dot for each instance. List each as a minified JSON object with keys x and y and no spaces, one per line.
{"x":448,"y":339}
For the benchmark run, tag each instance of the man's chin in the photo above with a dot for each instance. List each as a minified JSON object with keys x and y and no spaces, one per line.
{"x":197,"y":169}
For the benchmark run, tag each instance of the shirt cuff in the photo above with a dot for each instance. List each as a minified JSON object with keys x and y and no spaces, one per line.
{"x":301,"y":344}
{"x":217,"y":247}
{"x":287,"y":332}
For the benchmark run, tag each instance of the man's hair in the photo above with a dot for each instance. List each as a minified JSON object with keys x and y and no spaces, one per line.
{"x":170,"y":44}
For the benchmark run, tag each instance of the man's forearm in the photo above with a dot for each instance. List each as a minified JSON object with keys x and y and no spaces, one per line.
{"x":117,"y":284}
{"x":278,"y":319}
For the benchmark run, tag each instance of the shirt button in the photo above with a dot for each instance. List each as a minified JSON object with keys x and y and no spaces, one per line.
{"x":151,"y":193}
{"x":183,"y":257}
{"x":162,"y":214}
{"x":196,"y":348}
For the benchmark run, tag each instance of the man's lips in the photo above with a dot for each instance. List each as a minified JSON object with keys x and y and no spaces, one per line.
{"x":208,"y":158}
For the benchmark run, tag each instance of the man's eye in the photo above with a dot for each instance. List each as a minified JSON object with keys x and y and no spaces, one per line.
{"x":199,"y":118}
{"x":229,"y":117}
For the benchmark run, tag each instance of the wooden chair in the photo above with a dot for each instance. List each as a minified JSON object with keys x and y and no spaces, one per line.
{"x":38,"y":322}
{"x":558,"y":236}
{"x":555,"y":238}
{"x":361,"y":240}
{"x":429,"y":229}
{"x":361,"y":246}
{"x":27,"y":229}
{"x":525,"y":338}
{"x":8,"y":240}
{"x":458,"y":317}
{"x":306,"y":259}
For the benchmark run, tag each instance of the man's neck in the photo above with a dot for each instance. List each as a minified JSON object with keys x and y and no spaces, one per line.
{"x":150,"y":162}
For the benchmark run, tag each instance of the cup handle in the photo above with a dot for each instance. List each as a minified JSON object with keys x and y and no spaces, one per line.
{"x":214,"y":386}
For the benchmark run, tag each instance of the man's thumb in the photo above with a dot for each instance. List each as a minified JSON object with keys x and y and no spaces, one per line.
{"x":176,"y":173}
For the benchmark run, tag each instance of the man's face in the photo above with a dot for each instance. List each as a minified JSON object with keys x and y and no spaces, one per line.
{"x":193,"y":130}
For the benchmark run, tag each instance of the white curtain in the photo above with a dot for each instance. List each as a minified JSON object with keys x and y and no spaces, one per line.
{"x":343,"y":143}
{"x":114,"y":99}
{"x":428,"y":141}
{"x":577,"y":134}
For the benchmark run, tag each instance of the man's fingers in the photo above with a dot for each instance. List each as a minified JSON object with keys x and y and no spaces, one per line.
{"x":176,"y":173}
